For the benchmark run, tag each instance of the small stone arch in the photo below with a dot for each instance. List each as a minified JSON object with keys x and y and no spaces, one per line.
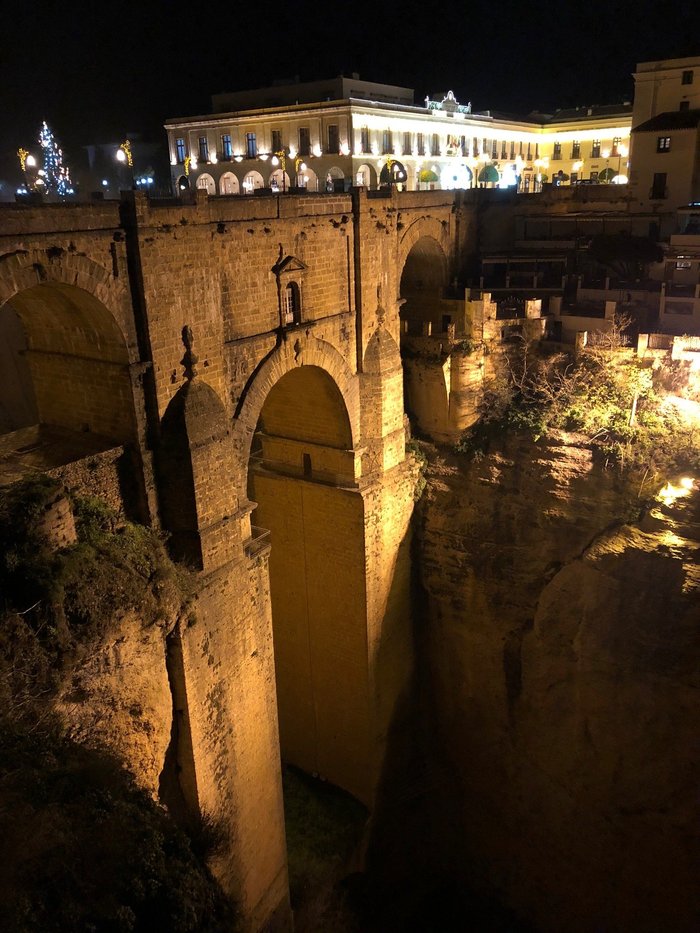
{"x":228,"y":184}
{"x":24,"y":270}
{"x":429,"y":227}
{"x":206,"y":183}
{"x":182,"y":183}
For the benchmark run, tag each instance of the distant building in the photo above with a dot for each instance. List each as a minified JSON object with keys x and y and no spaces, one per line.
{"x":330,"y":135}
{"x":666,"y":138}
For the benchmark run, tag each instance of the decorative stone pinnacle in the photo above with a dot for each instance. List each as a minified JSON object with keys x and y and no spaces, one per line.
{"x":381,"y":313}
{"x":189,"y":360}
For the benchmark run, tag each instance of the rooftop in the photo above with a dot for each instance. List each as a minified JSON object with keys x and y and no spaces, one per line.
{"x":670,"y":120}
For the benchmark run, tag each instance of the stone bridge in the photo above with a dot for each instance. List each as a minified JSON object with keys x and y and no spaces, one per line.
{"x":242,"y":357}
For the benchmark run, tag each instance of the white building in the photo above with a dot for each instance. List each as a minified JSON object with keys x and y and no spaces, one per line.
{"x":330,"y":135}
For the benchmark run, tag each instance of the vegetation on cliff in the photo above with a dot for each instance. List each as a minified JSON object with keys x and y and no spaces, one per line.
{"x":83,"y":847}
{"x":625,"y":410}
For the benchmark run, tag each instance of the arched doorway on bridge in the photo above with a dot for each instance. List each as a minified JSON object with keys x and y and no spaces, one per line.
{"x":425,"y":313}
{"x":66,"y":390}
{"x":302,"y":478}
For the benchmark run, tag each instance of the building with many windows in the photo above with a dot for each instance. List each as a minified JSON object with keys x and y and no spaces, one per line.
{"x":330,"y":135}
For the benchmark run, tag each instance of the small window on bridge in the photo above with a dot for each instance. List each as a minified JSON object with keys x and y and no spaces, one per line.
{"x":292,"y":303}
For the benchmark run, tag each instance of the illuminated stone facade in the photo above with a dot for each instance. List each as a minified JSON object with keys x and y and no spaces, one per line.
{"x":161,"y":332}
{"x":347,"y":132}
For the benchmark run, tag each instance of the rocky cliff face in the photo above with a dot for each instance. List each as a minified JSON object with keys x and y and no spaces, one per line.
{"x":562,"y":647}
{"x":119,"y":698}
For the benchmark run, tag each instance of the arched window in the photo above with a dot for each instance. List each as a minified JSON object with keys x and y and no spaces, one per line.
{"x":206,"y":183}
{"x":228,"y":183}
{"x":291,"y":303}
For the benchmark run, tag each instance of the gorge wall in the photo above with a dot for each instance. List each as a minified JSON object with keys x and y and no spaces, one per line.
{"x":561,"y":650}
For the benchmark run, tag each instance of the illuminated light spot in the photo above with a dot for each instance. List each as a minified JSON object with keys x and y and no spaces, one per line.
{"x":670,"y":492}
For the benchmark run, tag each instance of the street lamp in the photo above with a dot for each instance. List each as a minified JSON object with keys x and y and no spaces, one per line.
{"x":125,"y":157}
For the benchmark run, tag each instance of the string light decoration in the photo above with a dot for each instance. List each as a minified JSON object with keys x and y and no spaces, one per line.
{"x":56,"y":175}
{"x":124,"y":153}
{"x":22,"y":156}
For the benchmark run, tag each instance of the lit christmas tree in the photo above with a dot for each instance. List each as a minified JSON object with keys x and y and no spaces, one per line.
{"x":56,"y":175}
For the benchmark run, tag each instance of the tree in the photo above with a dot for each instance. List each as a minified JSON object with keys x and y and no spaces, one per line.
{"x":56,"y":177}
{"x":629,"y":257}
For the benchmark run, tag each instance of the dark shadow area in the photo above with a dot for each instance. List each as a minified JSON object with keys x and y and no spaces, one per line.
{"x":324,"y":827}
{"x":417,"y":877}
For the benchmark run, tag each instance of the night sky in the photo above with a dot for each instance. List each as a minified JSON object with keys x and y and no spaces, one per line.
{"x":97,"y":70}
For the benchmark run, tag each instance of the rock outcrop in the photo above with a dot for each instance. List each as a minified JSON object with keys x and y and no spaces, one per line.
{"x":119,"y":698}
{"x":563,"y":649}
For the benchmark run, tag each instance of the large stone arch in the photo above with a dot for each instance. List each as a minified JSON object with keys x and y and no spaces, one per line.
{"x":301,"y":351}
{"x":72,"y":359}
{"x":431,"y":229}
{"x":23,"y":270}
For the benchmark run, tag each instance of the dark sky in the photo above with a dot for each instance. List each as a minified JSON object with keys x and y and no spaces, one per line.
{"x":98,"y":69}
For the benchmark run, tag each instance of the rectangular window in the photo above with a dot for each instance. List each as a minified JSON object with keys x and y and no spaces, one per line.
{"x":687,"y":77}
{"x":304,"y":141}
{"x":276,"y":140}
{"x":595,"y":149}
{"x":406,"y":143}
{"x":251,"y":145}
{"x":663,"y":144}
{"x":226,"y":148}
{"x":387,"y":142}
{"x":504,"y":150}
{"x":494,"y":149}
{"x":576,"y":149}
{"x":512,"y":148}
{"x":529,"y":151}
{"x":435,"y":147}
{"x":420,"y":144}
{"x":463,"y":145}
{"x":658,"y":189}
{"x":203,"y":149}
{"x":475,"y":147}
{"x":556,"y":151}
{"x":181,"y":150}
{"x":574,"y":178}
{"x":594,"y":177}
{"x":333,"y":139}
{"x":364,"y":139}
{"x":615,"y":151}
{"x":684,"y":105}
